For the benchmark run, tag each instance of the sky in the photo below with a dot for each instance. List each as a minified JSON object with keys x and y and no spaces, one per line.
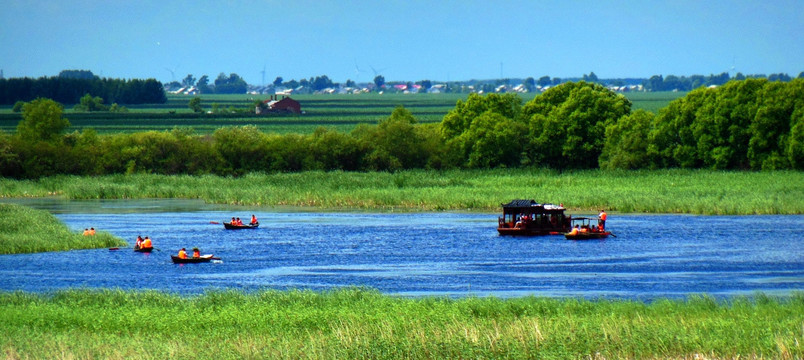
{"x":413,"y":40}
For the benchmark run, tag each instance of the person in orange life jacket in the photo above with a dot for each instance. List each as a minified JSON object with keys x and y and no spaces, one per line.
{"x":86,"y":232}
{"x":196,"y":253}
{"x":239,"y":222}
{"x":182,"y":253}
{"x":91,"y":231}
{"x":602,"y":219}
{"x":574,"y":230}
{"x":233,"y":222}
{"x":146,"y":243}
{"x":138,"y":243}
{"x":253,"y":219}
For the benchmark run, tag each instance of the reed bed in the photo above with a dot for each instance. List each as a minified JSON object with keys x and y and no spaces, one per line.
{"x":26,"y":230}
{"x":660,"y":191}
{"x":360,"y":323}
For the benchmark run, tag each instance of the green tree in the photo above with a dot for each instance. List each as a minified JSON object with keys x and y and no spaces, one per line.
{"x":195,"y":105}
{"x":459,"y":119}
{"x":379,"y":81}
{"x":189,"y":80}
{"x":567,"y":124}
{"x":42,"y":121}
{"x":626,"y":144}
{"x":90,"y":104}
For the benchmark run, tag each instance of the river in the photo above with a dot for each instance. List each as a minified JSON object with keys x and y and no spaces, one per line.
{"x":417,"y":254}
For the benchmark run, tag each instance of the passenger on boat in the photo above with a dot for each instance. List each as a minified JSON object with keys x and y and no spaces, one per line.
{"x":86,"y":232}
{"x":233,"y":222}
{"x":182,"y":253}
{"x":602,"y":219}
{"x":253,"y":219}
{"x":146,"y":243}
{"x":575,"y":230}
{"x":91,"y":231}
{"x":138,"y":243}
{"x":239,"y":222}
{"x":584,"y":229}
{"x":196,"y":253}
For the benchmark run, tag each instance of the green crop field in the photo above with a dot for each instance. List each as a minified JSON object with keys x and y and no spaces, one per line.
{"x":339,"y":112}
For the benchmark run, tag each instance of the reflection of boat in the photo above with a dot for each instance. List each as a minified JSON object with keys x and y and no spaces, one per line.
{"x":203,"y":258}
{"x":229,"y":226}
{"x":144,"y":250}
{"x":586,"y":230}
{"x":527,"y":217}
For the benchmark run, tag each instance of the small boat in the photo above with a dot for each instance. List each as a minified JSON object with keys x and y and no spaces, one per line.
{"x":144,"y":250}
{"x":587,"y":231}
{"x":230,"y":226}
{"x":190,"y":260}
{"x":588,"y":235}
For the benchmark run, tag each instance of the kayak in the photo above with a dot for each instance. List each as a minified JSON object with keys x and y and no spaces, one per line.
{"x":229,"y":226}
{"x":190,"y":260}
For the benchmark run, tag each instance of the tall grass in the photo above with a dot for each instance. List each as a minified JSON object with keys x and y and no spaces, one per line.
{"x":355,"y":323}
{"x":26,"y":230}
{"x":661,"y":191}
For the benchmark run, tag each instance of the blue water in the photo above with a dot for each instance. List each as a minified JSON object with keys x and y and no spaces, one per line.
{"x":415,"y":254}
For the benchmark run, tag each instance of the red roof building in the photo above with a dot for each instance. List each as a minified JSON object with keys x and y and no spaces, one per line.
{"x":285,"y":105}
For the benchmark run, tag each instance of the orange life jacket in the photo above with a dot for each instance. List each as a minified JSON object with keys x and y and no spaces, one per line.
{"x":182,"y":254}
{"x":146,"y":244}
{"x":196,"y":254}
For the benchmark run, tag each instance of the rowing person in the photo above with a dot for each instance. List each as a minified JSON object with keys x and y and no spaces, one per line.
{"x":182,"y":253}
{"x":253,"y":220}
{"x":601,"y":222}
{"x":146,"y":244}
{"x":196,"y":252}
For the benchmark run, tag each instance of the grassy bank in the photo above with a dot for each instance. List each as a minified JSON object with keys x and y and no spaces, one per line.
{"x":25,"y":230}
{"x":661,"y":191}
{"x":350,"y":324}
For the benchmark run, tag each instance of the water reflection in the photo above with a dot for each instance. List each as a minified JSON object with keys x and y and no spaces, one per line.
{"x":456,"y":254}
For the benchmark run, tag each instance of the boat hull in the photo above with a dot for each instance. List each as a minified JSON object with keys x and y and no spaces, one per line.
{"x":191,"y":260}
{"x":528,"y":232}
{"x":229,"y":226}
{"x":588,"y":236}
{"x":144,"y":250}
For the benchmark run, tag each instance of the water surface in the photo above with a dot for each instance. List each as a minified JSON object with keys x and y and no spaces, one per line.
{"x":453,"y":254}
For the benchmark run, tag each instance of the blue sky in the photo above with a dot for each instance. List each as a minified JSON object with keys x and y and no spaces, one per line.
{"x":401,"y":40}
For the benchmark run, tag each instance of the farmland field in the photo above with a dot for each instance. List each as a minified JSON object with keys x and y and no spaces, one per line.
{"x":339,"y":112}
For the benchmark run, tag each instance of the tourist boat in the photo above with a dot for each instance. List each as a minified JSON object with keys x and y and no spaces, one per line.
{"x":588,"y":231}
{"x":230,"y":226}
{"x":527,"y":217}
{"x":144,"y":250}
{"x":189,"y":260}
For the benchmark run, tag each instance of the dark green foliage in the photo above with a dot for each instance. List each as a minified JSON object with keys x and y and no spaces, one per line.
{"x":70,"y":89}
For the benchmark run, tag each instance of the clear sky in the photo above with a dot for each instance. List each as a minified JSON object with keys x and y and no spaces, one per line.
{"x":401,"y":40}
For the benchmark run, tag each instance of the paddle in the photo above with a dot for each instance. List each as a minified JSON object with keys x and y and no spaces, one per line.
{"x":214,"y":222}
{"x":612,"y":235}
{"x":114,"y":248}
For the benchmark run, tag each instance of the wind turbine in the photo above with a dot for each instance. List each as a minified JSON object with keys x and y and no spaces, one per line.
{"x":377,"y":72}
{"x":357,"y":72}
{"x":172,"y":72}
{"x":263,"y":74}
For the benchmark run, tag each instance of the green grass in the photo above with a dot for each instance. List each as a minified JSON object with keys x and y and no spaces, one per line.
{"x":26,"y":230}
{"x":341,"y":112}
{"x":660,"y":191}
{"x":355,"y":323}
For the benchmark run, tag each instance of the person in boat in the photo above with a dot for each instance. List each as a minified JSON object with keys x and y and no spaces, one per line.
{"x":253,"y":220}
{"x":138,"y":243}
{"x":196,"y":252}
{"x":233,"y":222}
{"x":146,"y":243}
{"x":86,"y":232}
{"x":239,"y":222}
{"x":601,"y":222}
{"x":182,"y":253}
{"x":91,"y":231}
{"x":575,"y":230}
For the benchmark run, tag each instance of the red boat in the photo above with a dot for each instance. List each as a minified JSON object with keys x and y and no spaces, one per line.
{"x":527,"y":217}
{"x":586,"y":231}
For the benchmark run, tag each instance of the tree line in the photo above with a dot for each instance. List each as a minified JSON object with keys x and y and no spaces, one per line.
{"x":70,"y":86}
{"x":754,"y":124}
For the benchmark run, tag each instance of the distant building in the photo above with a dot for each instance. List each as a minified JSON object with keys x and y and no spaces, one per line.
{"x":275,"y":105}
